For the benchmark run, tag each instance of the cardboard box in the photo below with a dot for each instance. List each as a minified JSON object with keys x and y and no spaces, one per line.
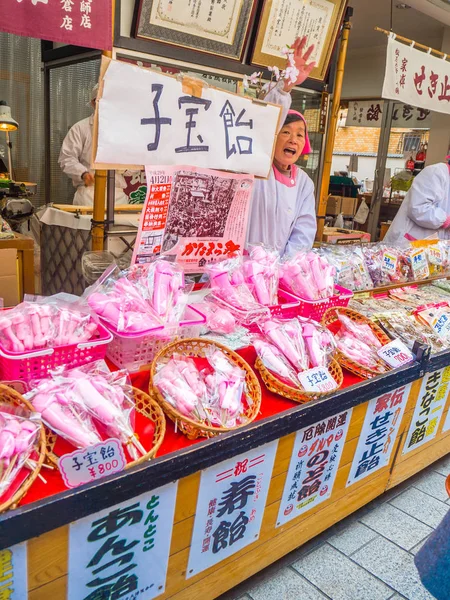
{"x":333,"y":235}
{"x":348,"y":206}
{"x":9,"y":277}
{"x":334,"y":205}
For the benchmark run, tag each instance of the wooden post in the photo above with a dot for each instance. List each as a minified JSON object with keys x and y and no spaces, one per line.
{"x":321,"y":209}
{"x":98,"y":213}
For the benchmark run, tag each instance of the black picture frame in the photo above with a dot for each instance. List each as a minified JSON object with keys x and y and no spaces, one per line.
{"x":146,"y":30}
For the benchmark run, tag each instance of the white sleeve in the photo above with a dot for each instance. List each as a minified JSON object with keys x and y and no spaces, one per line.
{"x":71,"y":150}
{"x":277,"y":95}
{"x":305,"y":226}
{"x":425,"y":196}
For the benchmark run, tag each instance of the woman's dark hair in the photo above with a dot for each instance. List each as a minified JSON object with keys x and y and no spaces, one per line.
{"x":292,"y":118}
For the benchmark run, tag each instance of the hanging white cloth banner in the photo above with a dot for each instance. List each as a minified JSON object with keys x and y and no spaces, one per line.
{"x":416,"y":78}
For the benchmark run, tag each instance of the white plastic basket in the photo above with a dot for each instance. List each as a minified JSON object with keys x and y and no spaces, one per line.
{"x":132,"y":351}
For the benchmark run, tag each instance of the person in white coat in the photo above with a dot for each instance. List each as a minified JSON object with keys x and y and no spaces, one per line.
{"x":75,"y":159}
{"x":283,"y":212}
{"x":425,"y":210}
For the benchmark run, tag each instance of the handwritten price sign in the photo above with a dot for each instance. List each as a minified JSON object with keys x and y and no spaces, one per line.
{"x":395,"y":354}
{"x":317,"y":379}
{"x":95,"y":462}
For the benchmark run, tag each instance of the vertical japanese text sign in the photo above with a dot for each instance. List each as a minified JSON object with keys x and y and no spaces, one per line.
{"x":429,"y":409}
{"x":78,"y":22}
{"x":446,"y":426}
{"x":314,"y":465}
{"x":123,"y":551}
{"x":378,"y":433}
{"x":13,"y":573}
{"x":149,"y":118}
{"x":230,"y":507}
{"x":416,"y":78}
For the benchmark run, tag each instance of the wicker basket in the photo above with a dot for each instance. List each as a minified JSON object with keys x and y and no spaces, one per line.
{"x":13,"y":398}
{"x":145,"y":405}
{"x":275,"y":385}
{"x":331,"y":316}
{"x":196,"y":347}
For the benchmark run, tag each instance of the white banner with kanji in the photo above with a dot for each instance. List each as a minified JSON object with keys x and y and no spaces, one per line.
{"x":230,"y":507}
{"x":150,"y":118}
{"x":314,"y":465}
{"x":123,"y":551}
{"x":378,"y":434}
{"x":416,"y":78}
{"x":428,"y":410}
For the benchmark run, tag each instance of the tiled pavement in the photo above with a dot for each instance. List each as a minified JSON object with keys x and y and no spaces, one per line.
{"x":368,"y":556}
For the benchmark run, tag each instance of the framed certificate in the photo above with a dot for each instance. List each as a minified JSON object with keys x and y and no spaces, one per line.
{"x":213,"y":26}
{"x":282,"y":21}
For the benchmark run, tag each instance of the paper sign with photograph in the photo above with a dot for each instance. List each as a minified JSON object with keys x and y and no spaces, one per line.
{"x":151,"y":118}
{"x":198,"y":216}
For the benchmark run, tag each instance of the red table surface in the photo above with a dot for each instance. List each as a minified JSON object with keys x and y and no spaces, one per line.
{"x":271,"y":404}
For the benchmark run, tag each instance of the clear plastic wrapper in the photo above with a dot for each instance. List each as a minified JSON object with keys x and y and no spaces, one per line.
{"x":213,"y":394}
{"x":18,"y":444}
{"x":358,"y":342}
{"x":275,"y":361}
{"x":287,"y":337}
{"x":218,"y":318}
{"x":45,"y":323}
{"x":144,"y":298}
{"x":88,"y":403}
{"x":261,"y":271}
{"x":62,"y":411}
{"x":230,"y":289}
{"x":308,"y":275}
{"x":319,"y":342}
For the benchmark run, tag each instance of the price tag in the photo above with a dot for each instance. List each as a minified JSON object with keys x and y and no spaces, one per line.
{"x":396,"y":354}
{"x":389,"y":262}
{"x":435,"y":255}
{"x":95,"y":462}
{"x":317,"y":379}
{"x":420,"y":264}
{"x":441,"y":324}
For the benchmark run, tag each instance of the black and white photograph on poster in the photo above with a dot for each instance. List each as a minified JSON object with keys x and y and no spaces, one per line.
{"x":199,"y":206}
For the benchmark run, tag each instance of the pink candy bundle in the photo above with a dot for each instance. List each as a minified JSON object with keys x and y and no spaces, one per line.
{"x":213,"y":395}
{"x":218,"y":319}
{"x":142,"y":299}
{"x":358,"y":342}
{"x":308,"y":275}
{"x":229,"y":287}
{"x":81,"y":404}
{"x":18,"y":442}
{"x":34,"y":326}
{"x":275,"y":361}
{"x":287,"y":337}
{"x":261,"y":273}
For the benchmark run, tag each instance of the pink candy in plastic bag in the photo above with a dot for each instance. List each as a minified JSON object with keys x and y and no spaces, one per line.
{"x":275,"y":361}
{"x":287,"y":337}
{"x":18,"y":443}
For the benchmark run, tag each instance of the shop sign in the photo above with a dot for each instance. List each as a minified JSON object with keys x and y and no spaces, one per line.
{"x":197,"y":216}
{"x":77,"y":22}
{"x":13,"y":573}
{"x":230,"y":507}
{"x":378,"y":434}
{"x":429,"y":409}
{"x":150,"y":118}
{"x":369,"y":113}
{"x":416,"y":78}
{"x":317,"y":379}
{"x":123,"y":551}
{"x":314,"y":465}
{"x":89,"y":464}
